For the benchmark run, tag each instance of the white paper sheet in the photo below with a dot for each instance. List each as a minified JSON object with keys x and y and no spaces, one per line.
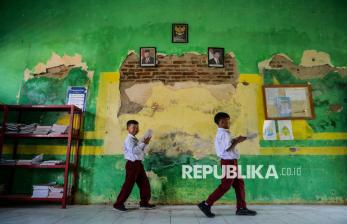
{"x":269,"y":130}
{"x":285,"y":129}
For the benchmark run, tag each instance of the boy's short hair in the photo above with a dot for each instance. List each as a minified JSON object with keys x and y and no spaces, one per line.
{"x":130,"y":122}
{"x":219,"y":116}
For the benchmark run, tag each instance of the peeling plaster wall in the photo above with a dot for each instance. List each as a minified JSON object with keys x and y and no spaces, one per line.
{"x":58,"y":42}
{"x":185,"y":114}
{"x":329,"y":86}
{"x":178,"y":98}
{"x":170,"y":70}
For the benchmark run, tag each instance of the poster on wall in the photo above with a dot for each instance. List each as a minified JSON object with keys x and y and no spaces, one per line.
{"x":76,"y":95}
{"x":179,"y":33}
{"x":148,"y":56}
{"x":269,"y":130}
{"x":288,"y":102}
{"x":215,"y":57}
{"x":283,"y":106}
{"x":285,"y":130}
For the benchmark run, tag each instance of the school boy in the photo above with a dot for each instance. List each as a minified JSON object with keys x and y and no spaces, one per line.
{"x":135,"y":172}
{"x":225,"y":148}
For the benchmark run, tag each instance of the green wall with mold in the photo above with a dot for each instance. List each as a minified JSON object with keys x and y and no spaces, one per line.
{"x":103,"y":32}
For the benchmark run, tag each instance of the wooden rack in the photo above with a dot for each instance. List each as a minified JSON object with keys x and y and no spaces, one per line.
{"x":73,"y":136}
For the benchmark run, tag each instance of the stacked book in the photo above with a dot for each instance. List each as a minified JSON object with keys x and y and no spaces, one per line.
{"x":52,"y":162}
{"x":42,"y":130}
{"x":47,"y":191}
{"x":15,"y":128}
{"x":58,"y":129}
{"x":12,"y":128}
{"x":8,"y":161}
{"x":27,"y":128}
{"x":24,"y":162}
{"x":40,"y":191}
{"x":36,"y":160}
{"x":55,"y":191}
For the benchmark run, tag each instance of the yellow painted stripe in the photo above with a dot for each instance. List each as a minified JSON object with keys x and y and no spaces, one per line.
{"x":105,"y":79}
{"x":251,"y":78}
{"x":93,"y":135}
{"x":305,"y":151}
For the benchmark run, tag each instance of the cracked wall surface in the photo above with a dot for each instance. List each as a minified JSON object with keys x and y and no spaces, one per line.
{"x":179,"y":97}
{"x":329,"y":86}
{"x":103,"y":32}
{"x":170,"y":69}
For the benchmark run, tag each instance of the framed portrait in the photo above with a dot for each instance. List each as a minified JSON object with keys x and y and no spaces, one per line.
{"x":179,"y":33}
{"x":215,"y":57}
{"x":288,"y":102}
{"x":148,"y":56}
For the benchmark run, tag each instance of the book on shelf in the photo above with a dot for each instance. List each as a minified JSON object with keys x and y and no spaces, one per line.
{"x":51,"y":190}
{"x":36,"y":129}
{"x":24,"y":162}
{"x":40,"y":191}
{"x":12,"y":128}
{"x":42,"y":130}
{"x":27,"y":128}
{"x":52,"y":162}
{"x":17,"y":128}
{"x":36,"y":160}
{"x":56,"y":191}
{"x":58,"y":129}
{"x":8,"y":161}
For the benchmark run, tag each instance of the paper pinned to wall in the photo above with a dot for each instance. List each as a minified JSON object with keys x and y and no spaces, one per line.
{"x":298,"y":94}
{"x":76,"y":95}
{"x":285,"y":130}
{"x":269,"y":130}
{"x":283,"y":106}
{"x":271,"y":95}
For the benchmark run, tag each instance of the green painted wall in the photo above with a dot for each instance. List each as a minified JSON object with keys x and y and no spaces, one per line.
{"x":102,"y":176}
{"x":103,"y":32}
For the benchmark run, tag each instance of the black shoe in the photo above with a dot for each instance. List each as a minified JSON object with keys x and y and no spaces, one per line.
{"x":147,"y":206}
{"x":245,"y":211}
{"x":206,"y":209}
{"x":121,"y":208}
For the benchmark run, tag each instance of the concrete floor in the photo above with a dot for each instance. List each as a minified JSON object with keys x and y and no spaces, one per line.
{"x":87,"y":214}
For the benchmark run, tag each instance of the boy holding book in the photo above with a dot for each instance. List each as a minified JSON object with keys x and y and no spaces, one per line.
{"x":225,"y":148}
{"x":135,"y":172}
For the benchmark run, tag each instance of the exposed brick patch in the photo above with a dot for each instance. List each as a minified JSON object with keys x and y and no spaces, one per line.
{"x":59,"y":71}
{"x":172,"y":68}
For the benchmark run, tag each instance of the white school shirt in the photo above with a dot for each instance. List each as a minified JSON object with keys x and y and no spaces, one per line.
{"x":222,"y":142}
{"x":133,"y":149}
